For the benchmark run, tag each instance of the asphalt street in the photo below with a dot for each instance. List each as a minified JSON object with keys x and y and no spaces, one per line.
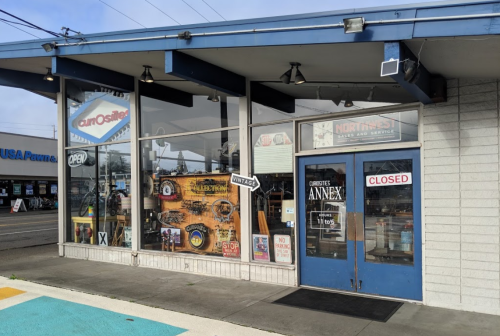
{"x":28,"y":229}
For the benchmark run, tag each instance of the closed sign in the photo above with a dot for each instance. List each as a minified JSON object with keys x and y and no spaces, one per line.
{"x":388,"y":180}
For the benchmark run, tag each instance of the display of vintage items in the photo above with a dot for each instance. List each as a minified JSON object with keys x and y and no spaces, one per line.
{"x":168,"y":191}
{"x":222,"y":210}
{"x":199,"y":211}
{"x":170,"y":217}
{"x":197,"y":234}
{"x":195,"y":207}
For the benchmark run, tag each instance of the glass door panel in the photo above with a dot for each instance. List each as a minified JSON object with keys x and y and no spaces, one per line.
{"x":389,"y":252}
{"x":388,"y":211}
{"x":326,"y":196}
{"x":326,"y":217}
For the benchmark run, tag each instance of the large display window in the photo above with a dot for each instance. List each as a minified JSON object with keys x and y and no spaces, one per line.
{"x":189,"y":204}
{"x":162,"y":118}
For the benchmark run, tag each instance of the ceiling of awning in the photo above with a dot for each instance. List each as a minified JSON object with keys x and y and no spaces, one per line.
{"x":353,"y":67}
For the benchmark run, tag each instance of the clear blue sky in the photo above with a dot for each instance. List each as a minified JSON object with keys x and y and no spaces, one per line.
{"x":27,"y":113}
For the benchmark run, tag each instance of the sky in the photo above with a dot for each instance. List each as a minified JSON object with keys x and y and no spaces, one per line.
{"x":27,"y":113}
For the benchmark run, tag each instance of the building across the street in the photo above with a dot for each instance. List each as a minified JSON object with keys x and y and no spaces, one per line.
{"x":28,"y":168}
{"x":353,"y":151}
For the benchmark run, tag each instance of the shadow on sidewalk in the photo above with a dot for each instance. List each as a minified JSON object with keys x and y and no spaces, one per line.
{"x":235,"y":301}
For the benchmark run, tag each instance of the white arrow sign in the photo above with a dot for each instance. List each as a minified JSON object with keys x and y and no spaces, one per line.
{"x":247,"y":182}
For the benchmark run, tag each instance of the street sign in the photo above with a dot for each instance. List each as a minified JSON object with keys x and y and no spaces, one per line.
{"x":247,"y":182}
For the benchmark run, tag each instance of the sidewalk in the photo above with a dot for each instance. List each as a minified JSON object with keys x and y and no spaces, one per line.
{"x":239,"y":302}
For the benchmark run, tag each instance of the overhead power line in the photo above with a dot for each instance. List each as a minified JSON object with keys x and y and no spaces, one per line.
{"x":122,"y":14}
{"x":214,"y":10}
{"x":195,"y":10}
{"x":4,"y":21}
{"x":31,"y":24}
{"x":163,"y":12}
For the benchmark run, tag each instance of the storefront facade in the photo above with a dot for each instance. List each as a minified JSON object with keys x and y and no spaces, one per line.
{"x":28,"y":168}
{"x":219,"y":166}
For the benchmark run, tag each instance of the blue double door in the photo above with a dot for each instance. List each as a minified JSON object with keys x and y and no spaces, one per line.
{"x":360,"y":223}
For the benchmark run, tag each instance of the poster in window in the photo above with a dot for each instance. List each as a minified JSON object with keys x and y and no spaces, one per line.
{"x":29,"y":189}
{"x":273,"y":153}
{"x":17,"y":189}
{"x":3,"y":192}
{"x":260,"y":247}
{"x":42,"y":189}
{"x":53,"y":189}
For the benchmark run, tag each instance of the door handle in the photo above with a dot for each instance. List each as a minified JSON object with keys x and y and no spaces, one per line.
{"x":360,"y":284}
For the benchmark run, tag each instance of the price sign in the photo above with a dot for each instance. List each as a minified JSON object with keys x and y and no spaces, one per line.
{"x":231,"y":249}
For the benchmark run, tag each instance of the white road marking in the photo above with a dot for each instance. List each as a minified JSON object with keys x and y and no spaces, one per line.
{"x":11,"y":233}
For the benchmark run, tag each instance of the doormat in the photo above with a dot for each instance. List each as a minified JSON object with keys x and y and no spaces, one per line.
{"x":355,"y":306}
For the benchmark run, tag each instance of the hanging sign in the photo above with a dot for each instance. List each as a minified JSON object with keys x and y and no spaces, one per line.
{"x":260,"y":247}
{"x":78,"y":158}
{"x":283,"y":249}
{"x":231,"y":249}
{"x":247,"y":182}
{"x":388,"y":180}
{"x":100,"y":118}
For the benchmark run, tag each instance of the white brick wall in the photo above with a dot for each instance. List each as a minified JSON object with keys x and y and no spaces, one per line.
{"x":462,"y":198}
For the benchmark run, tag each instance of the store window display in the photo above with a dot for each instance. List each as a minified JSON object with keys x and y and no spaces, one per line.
{"x":273,"y":205}
{"x":189,"y":204}
{"x":98,"y":165}
{"x":99,"y":196}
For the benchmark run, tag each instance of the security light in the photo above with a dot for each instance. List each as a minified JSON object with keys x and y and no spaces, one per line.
{"x":185,"y":35}
{"x":370,"y":95}
{"x":285,"y":78}
{"x":348,"y":101}
{"x":149,"y":77}
{"x":48,"y":47}
{"x":390,"y":67}
{"x":299,"y":78}
{"x":49,"y":77}
{"x":146,"y":75}
{"x":354,"y":25}
{"x":214,"y":97}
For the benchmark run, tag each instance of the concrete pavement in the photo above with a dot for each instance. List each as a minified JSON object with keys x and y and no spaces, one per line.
{"x":34,"y":310}
{"x":238,"y":302}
